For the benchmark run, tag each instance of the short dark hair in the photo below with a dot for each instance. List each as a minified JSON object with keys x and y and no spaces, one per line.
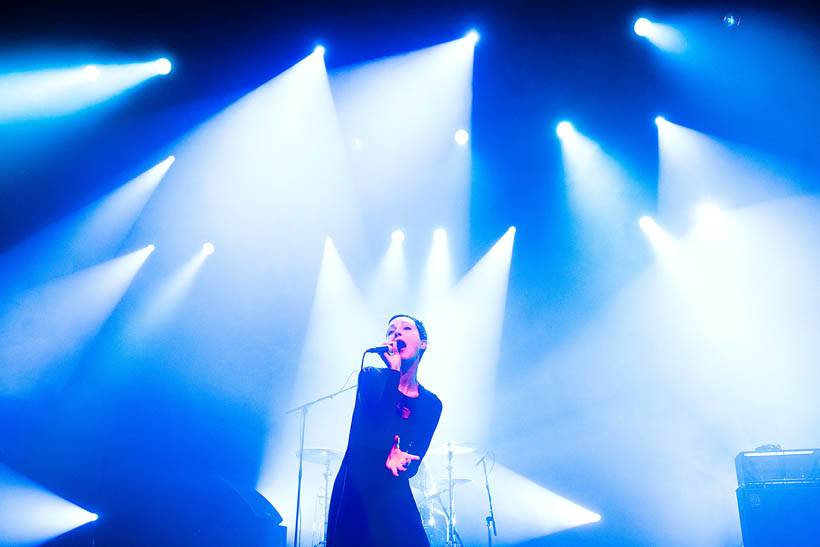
{"x":419,"y":324}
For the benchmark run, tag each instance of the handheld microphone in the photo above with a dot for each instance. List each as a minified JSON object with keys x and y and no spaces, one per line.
{"x":378,"y":349}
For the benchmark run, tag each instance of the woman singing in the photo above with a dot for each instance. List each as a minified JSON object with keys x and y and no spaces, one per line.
{"x":393,"y":421}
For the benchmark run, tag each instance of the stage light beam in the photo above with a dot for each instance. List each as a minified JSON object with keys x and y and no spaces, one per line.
{"x":461,"y":137}
{"x":564,"y":130}
{"x":59,"y":91}
{"x":642,"y":26}
{"x":32,"y":515}
{"x":91,"y":73}
{"x":473,"y":37}
{"x":439,"y":235}
{"x":163,"y":66}
{"x":319,"y":50}
{"x":647,"y":223}
{"x":208,"y":248}
{"x":665,"y":37}
{"x":45,"y":329}
{"x":397,"y":237}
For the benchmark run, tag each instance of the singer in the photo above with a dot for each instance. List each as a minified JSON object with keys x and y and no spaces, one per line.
{"x":393,"y":422}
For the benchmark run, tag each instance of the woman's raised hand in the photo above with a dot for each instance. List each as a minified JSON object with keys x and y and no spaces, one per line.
{"x":398,"y":460}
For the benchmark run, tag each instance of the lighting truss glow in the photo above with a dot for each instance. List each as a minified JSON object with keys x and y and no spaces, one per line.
{"x":397,"y":236}
{"x":163,"y":66}
{"x":564,"y":130}
{"x":473,"y":36}
{"x":642,"y":26}
{"x":462,"y":137}
{"x":91,"y":73}
{"x":319,"y":50}
{"x":780,"y":453}
{"x":208,"y":248}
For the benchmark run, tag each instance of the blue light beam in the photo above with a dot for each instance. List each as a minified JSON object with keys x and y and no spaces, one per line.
{"x":32,"y":515}
{"x":45,"y":328}
{"x":61,"y":91}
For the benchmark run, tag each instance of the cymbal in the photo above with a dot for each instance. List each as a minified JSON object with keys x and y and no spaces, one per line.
{"x":322,"y":455}
{"x":443,"y":485}
{"x":442,"y":449}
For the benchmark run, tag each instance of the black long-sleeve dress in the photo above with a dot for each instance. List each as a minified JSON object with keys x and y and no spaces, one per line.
{"x":370,"y":507}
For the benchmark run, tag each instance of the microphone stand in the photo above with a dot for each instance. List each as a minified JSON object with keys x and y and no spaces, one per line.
{"x":491,"y":517}
{"x":303,"y":420}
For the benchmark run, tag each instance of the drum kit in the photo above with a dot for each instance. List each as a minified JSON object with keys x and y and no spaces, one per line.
{"x":438,"y":517}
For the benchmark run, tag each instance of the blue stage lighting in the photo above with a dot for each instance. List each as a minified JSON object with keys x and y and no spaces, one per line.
{"x":642,"y":26}
{"x":473,"y":36}
{"x":320,"y":50}
{"x":646,"y":223}
{"x":462,"y":137}
{"x":398,"y":236}
{"x":731,"y":21}
{"x":659,"y":120}
{"x":163,"y":66}
{"x":208,"y":248}
{"x":564,"y":129}
{"x":91,"y":73}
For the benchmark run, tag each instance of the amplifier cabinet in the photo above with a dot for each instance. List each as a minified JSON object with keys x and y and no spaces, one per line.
{"x":780,"y":514}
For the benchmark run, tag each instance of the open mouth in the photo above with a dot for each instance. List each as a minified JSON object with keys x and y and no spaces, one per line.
{"x":400,"y":345}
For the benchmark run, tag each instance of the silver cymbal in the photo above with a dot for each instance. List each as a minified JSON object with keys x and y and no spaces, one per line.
{"x":322,"y":456}
{"x":443,"y":485}
{"x":442,"y":449}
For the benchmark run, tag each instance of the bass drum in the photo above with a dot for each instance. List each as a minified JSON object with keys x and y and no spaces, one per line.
{"x":435,"y":524}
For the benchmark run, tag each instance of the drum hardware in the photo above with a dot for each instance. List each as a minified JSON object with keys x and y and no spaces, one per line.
{"x":323,"y":456}
{"x":302,"y":410}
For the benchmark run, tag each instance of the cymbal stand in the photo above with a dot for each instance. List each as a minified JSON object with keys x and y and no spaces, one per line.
{"x":302,"y":409}
{"x":326,"y":475}
{"x":491,"y":517}
{"x":451,"y":525}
